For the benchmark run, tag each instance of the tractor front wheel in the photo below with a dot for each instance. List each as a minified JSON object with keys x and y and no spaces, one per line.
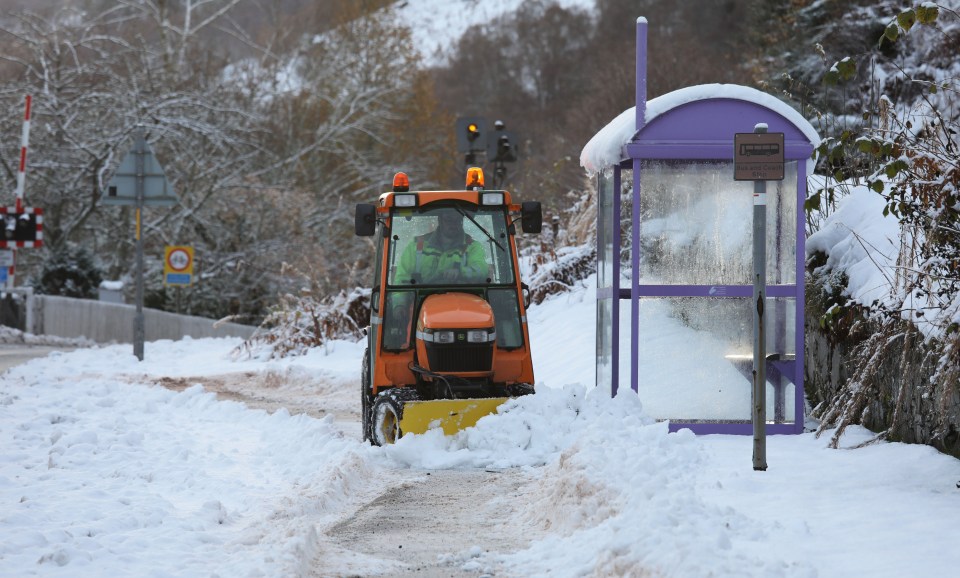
{"x":385,"y":426}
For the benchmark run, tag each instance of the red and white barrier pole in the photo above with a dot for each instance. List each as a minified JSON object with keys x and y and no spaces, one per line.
{"x":21,"y":179}
{"x":24,"y":141}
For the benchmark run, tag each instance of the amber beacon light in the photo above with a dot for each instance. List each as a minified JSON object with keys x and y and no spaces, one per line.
{"x":474,"y":178}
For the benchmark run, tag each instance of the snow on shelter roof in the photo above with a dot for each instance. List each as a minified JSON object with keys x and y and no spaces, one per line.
{"x":605,"y":149}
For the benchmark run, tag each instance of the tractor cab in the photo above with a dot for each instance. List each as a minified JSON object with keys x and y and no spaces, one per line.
{"x":447,"y":310}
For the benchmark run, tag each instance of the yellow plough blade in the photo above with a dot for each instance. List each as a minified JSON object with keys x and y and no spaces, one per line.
{"x":452,"y":415}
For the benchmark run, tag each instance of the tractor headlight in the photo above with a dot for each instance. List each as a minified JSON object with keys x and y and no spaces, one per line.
{"x":491,"y":198}
{"x":443,"y":337}
{"x":405,"y":200}
{"x":431,"y":336}
{"x":480,"y":336}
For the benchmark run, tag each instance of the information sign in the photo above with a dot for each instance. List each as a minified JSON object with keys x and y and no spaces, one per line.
{"x":758,"y":156}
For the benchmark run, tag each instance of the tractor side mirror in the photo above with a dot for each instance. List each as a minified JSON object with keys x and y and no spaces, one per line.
{"x":365,"y":220}
{"x":531,"y":217}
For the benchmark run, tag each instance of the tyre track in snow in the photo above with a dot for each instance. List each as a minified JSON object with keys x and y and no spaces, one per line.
{"x":415,"y":523}
{"x":430,"y":525}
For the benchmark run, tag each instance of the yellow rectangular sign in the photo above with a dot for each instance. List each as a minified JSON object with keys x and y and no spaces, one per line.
{"x":177,"y":265}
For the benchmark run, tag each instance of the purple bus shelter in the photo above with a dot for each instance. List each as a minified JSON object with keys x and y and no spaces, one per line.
{"x":675,"y":260}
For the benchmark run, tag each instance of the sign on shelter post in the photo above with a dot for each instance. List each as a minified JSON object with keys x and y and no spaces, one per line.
{"x":758,"y":156}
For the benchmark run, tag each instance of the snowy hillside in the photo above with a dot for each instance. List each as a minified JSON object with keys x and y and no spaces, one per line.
{"x":438,"y":25}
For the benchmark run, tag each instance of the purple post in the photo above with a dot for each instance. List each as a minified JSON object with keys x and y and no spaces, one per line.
{"x":635,"y":229}
{"x":800,"y":347}
{"x":641,"y":72}
{"x":615,"y":296}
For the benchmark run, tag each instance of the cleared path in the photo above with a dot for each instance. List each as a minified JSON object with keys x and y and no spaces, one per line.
{"x":409,"y":523}
{"x":432,"y":525}
{"x":13,"y":354}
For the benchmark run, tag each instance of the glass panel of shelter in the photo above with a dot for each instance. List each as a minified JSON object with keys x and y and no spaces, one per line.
{"x":696,"y":230}
{"x":695,"y":358}
{"x":696,"y":225}
{"x":606,"y":286}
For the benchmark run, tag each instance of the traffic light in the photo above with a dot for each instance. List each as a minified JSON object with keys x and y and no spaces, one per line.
{"x":471,"y":134}
{"x":503,"y":148}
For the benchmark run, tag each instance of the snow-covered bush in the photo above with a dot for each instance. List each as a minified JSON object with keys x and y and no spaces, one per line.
{"x":902,"y":147}
{"x":307,"y":319}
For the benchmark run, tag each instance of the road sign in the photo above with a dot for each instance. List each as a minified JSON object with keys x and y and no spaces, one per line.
{"x":122,"y":189}
{"x":21,"y":227}
{"x":178,"y":265}
{"x":758,"y":156}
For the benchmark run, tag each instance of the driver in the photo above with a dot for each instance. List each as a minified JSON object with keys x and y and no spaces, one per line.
{"x":446,"y":255}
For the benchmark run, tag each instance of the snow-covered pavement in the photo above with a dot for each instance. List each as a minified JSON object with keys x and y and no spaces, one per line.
{"x":103,"y":471}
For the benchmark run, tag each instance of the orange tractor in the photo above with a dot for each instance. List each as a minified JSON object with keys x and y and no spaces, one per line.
{"x":448,"y":340}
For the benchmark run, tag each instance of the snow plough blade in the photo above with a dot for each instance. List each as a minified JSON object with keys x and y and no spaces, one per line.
{"x":452,"y":415}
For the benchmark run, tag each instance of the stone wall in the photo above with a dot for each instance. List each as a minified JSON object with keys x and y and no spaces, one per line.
{"x":906,"y":368}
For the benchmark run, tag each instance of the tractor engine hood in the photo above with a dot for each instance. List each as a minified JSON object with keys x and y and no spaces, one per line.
{"x":455,"y":311}
{"x":456,"y":334}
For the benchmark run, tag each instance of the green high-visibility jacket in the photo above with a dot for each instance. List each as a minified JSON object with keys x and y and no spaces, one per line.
{"x":426,"y":261}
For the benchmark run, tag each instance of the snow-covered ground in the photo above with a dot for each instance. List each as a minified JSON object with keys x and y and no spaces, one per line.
{"x":105,"y":472}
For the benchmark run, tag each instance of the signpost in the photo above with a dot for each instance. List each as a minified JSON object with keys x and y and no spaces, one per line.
{"x":758,"y":157}
{"x":22,"y":227}
{"x":139,"y":181}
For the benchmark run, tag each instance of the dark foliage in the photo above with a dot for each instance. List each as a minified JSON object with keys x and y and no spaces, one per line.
{"x":69,"y":271}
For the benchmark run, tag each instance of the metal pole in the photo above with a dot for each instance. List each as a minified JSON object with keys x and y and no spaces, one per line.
{"x":138,"y":330}
{"x":759,"y":337}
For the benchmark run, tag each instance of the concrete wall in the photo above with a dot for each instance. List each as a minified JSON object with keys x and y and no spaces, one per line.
{"x":106,"y":322}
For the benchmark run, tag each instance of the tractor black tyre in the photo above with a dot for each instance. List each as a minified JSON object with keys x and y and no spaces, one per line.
{"x":518,"y":389}
{"x":386,"y":413}
{"x":366,"y":397}
{"x":385,"y":419}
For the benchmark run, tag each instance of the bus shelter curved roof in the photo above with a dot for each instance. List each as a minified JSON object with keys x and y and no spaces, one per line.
{"x":696,"y":114}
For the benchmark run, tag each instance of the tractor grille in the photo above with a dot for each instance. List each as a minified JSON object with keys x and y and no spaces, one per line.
{"x":460,"y":358}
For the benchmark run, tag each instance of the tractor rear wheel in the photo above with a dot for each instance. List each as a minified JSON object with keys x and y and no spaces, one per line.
{"x":366,"y":396}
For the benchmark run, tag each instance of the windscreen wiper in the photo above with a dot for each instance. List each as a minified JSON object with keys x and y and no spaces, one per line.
{"x":479,"y":226}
